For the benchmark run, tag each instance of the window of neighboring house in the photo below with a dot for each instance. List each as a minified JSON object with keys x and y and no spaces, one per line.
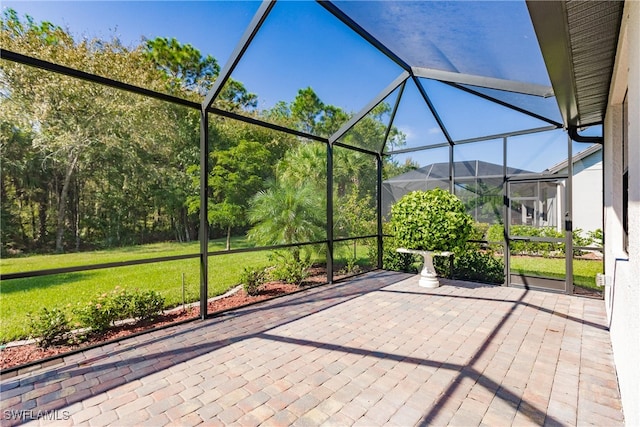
{"x":625,"y":172}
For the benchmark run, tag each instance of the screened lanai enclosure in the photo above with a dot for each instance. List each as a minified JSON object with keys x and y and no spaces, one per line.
{"x":291,"y":141}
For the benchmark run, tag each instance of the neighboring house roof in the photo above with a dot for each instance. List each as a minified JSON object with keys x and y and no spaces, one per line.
{"x":479,"y":169}
{"x":462,"y":169}
{"x":578,"y":157}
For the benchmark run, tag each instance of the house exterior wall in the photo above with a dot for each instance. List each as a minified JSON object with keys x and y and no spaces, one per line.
{"x":587,"y":193}
{"x":622,"y":297}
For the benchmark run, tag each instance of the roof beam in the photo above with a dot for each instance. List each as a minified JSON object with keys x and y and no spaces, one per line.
{"x":436,"y":116}
{"x":370,"y":106}
{"x":505,"y":104}
{"x":387,"y":131}
{"x":338,"y":13}
{"x":93,"y":78}
{"x":549,"y":20}
{"x":488,"y":82}
{"x":241,"y":48}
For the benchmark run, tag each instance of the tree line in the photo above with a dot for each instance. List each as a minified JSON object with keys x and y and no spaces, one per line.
{"x":87,"y":166}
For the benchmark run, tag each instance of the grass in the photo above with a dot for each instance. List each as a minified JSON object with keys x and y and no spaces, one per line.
{"x":584,"y":271}
{"x":21,"y":296}
{"x":154,"y":250}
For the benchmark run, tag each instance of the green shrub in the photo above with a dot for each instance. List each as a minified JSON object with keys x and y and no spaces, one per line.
{"x":351,"y":267}
{"x":290,"y":267}
{"x":395,"y":261}
{"x":50,"y":327}
{"x":392,"y":260}
{"x":98,"y":315}
{"x":478,"y":266}
{"x":496,"y":233}
{"x":479,"y":231}
{"x":597,"y":237}
{"x":119,"y":303}
{"x":593,"y":238}
{"x":102,"y":313}
{"x":144,"y":305}
{"x":252,"y":279}
{"x":443,"y":267}
{"x":430,"y":220}
{"x":473,"y":265}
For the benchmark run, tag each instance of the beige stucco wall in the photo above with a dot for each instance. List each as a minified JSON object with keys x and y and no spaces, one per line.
{"x":623,"y":295}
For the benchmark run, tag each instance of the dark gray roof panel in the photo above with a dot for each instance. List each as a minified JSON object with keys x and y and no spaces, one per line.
{"x":463,"y":169}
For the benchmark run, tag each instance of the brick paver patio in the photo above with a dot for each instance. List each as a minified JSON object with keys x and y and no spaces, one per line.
{"x":377,"y":350}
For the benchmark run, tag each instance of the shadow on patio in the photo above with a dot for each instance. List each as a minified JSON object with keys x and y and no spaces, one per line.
{"x":376,"y":350}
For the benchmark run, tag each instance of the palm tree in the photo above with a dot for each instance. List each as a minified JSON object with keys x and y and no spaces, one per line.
{"x":306,"y":163}
{"x":286,"y":214}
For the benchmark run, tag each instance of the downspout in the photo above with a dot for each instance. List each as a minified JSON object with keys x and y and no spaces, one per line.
{"x":575,"y":136}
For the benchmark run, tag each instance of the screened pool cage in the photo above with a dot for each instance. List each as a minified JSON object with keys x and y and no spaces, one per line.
{"x":469,"y":108}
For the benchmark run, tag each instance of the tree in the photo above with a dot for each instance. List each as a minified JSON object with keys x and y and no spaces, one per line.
{"x":86,"y":129}
{"x":370,"y":131}
{"x":354,"y":173}
{"x":393,"y":168}
{"x":237,"y":174}
{"x":282,"y":214}
{"x":23,"y":201}
{"x":306,"y":110}
{"x":305,"y":164}
{"x":190,"y":73}
{"x":183,"y":63}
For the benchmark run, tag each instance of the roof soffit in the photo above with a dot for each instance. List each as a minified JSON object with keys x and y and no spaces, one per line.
{"x":578,"y":41}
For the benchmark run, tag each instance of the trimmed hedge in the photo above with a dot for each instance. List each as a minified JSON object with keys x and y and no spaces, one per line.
{"x":430,"y":220}
{"x":472,"y":265}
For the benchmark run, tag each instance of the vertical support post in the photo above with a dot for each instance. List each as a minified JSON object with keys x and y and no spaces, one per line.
{"x":330,"y":213}
{"x":451,"y":170}
{"x":568,"y":220}
{"x":506,"y":216}
{"x":204,"y":221}
{"x":450,"y":275}
{"x":379,"y":165}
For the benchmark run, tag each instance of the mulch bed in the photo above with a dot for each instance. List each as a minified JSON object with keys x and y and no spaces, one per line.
{"x":23,"y":354}
{"x":11,"y":357}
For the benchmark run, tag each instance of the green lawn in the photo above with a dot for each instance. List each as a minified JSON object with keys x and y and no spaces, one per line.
{"x":21,"y":296}
{"x":154,"y":250}
{"x":584,"y":271}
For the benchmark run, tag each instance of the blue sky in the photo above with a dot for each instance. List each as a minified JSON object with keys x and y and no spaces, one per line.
{"x":271,"y":67}
{"x":301,"y":45}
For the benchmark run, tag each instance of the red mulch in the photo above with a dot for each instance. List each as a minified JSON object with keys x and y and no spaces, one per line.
{"x":23,"y":354}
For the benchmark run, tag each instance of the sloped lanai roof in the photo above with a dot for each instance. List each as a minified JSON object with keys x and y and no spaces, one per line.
{"x":490,"y":51}
{"x":484,"y":52}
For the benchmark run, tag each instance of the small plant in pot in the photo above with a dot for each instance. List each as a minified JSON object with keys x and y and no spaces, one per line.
{"x":427,"y":222}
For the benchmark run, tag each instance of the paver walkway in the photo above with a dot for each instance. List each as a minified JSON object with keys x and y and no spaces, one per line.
{"x":377,"y":350}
